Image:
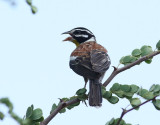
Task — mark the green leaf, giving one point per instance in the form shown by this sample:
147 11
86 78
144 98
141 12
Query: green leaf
36 124
134 88
29 2
34 9
121 60
112 121
158 45
103 90
146 50
128 95
122 122
119 93
29 112
7 102
73 105
81 91
39 120
70 107
73 97
133 59
115 87
136 52
102 87
113 99
125 88
157 88
76 104
82 97
54 106
107 94
135 102
142 92
156 104
148 95
62 110
1 116
148 61
127 59
37 114
152 88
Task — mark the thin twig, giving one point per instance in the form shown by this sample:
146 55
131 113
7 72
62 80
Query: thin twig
126 111
114 73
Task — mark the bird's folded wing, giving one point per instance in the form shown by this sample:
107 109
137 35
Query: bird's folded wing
100 61
97 61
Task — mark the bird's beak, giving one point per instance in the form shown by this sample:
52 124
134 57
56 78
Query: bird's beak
68 39
68 32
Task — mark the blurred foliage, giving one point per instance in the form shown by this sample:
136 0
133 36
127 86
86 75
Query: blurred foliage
33 8
7 103
29 2
138 53
115 121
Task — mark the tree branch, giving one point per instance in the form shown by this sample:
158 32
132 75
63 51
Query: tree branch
126 111
114 73
55 112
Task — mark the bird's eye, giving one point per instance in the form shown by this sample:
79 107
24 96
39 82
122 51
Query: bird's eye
77 32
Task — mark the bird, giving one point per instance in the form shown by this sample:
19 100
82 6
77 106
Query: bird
89 60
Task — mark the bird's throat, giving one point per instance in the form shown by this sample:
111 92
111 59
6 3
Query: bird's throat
76 43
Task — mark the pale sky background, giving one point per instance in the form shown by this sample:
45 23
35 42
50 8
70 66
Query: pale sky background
34 62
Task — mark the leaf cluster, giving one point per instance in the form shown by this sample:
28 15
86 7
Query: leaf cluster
138 53
80 94
115 121
108 96
128 91
124 91
9 105
155 89
33 8
33 116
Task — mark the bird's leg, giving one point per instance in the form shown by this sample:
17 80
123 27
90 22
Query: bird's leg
85 80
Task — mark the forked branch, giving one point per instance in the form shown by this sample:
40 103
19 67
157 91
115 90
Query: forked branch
117 71
126 111
114 73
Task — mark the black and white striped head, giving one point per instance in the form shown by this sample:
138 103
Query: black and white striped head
80 35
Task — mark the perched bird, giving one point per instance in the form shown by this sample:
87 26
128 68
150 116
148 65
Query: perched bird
89 60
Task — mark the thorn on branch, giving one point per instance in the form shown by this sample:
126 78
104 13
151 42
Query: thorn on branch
85 103
60 100
114 68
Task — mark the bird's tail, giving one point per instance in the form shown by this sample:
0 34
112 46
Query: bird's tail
95 93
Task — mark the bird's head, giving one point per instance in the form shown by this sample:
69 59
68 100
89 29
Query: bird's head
79 35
